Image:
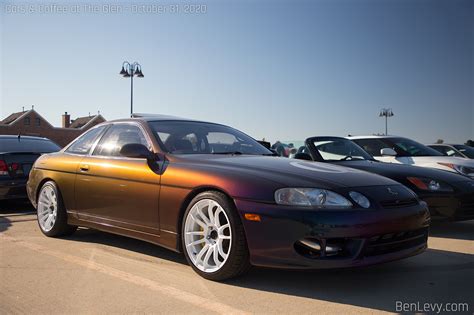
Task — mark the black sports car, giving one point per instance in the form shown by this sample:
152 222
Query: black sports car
448 195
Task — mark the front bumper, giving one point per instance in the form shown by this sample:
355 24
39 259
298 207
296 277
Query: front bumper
365 237
13 188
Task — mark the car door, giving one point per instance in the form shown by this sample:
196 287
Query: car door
69 164
118 191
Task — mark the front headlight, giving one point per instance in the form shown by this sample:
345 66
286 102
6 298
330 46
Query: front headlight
311 197
464 170
429 184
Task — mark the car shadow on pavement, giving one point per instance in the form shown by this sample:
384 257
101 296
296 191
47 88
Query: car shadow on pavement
432 277
463 230
127 243
5 224
15 207
12 208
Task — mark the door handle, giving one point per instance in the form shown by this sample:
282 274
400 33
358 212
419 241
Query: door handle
84 168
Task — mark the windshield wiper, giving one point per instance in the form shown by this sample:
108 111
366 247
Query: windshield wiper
229 152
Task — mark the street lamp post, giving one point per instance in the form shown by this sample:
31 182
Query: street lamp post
128 71
386 112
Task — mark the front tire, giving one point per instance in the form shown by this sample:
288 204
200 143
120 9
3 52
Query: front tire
213 237
52 216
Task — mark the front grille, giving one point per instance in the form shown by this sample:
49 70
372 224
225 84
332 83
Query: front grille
394 242
398 203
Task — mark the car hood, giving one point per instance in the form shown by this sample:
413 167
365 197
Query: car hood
288 172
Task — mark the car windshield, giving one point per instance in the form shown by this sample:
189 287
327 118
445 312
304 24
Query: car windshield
189 137
338 149
402 146
466 150
28 145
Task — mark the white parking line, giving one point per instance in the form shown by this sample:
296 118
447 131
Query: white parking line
178 294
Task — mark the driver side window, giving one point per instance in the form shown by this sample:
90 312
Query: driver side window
116 137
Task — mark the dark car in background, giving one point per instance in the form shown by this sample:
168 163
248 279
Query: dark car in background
459 150
449 195
17 155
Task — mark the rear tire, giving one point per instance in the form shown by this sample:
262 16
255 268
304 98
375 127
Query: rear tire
52 215
213 237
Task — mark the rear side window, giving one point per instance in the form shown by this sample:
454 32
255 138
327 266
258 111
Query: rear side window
83 144
28 145
118 136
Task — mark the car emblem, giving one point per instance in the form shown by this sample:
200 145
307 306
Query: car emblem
393 192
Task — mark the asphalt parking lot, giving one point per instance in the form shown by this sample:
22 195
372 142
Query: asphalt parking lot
96 272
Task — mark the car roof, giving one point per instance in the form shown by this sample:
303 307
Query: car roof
23 137
371 137
446 144
157 117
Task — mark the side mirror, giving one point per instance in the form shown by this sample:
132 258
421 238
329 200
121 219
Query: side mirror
303 156
136 151
388 152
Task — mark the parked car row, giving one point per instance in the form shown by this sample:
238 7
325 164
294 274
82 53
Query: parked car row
406 151
448 195
227 202
459 150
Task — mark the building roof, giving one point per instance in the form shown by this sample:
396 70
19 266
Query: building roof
82 121
12 117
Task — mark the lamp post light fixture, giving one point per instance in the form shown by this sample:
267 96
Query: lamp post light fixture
129 70
386 112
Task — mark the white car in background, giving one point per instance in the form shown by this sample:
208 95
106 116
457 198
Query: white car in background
393 149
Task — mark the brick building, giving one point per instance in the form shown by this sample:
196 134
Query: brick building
31 123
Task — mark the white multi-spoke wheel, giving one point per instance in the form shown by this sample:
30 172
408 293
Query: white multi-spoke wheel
52 217
207 235
47 208
213 237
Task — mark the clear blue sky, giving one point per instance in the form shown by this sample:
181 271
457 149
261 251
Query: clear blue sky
274 69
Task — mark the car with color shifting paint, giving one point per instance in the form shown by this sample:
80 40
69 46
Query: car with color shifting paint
221 198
